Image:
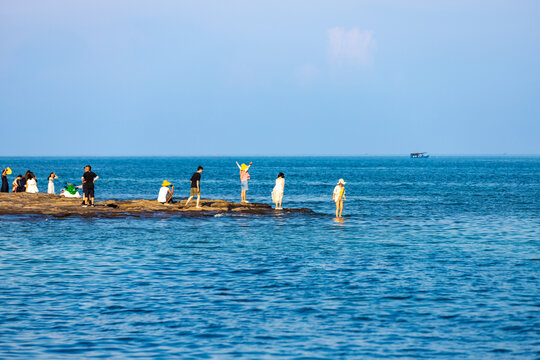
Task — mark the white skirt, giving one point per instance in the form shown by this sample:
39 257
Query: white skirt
277 194
50 190
32 189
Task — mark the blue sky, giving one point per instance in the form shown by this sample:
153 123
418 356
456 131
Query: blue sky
276 78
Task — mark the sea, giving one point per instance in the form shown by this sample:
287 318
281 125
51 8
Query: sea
435 258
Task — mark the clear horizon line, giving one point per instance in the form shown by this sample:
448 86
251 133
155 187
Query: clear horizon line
255 155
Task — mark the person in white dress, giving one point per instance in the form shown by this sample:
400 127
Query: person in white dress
31 184
277 192
50 189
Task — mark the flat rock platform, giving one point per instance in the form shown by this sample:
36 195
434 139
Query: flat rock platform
60 206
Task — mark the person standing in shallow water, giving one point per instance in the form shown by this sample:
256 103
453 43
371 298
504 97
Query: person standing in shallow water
195 187
339 197
88 179
244 178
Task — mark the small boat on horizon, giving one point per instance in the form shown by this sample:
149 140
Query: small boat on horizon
419 155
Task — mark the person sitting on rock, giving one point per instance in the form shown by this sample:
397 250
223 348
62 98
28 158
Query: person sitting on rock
165 194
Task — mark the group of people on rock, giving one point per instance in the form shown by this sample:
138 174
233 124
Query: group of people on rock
24 183
28 183
166 191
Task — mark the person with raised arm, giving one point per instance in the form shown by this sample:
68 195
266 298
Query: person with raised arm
52 177
5 183
244 178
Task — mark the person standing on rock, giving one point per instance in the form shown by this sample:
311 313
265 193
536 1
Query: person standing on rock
21 184
277 192
5 183
195 187
88 179
50 189
31 184
244 178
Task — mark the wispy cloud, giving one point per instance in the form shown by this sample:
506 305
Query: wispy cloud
307 73
352 46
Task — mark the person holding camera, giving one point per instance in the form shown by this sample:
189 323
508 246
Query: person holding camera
165 193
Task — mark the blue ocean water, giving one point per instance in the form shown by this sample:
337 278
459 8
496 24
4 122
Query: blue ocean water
436 258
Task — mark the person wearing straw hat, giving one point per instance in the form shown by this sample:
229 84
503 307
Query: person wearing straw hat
165 193
339 197
244 178
5 183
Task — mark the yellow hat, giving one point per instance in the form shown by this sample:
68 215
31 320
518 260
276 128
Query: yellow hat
165 183
8 171
243 167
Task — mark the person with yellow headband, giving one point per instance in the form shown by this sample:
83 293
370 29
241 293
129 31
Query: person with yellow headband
244 178
165 194
5 183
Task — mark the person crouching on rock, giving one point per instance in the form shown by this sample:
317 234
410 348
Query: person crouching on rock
165 194
244 178
195 187
16 183
88 179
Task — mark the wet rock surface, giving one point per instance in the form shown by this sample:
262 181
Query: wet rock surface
56 205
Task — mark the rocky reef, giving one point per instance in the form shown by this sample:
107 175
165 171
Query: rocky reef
59 206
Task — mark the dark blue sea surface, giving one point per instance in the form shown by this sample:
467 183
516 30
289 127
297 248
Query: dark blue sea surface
436 258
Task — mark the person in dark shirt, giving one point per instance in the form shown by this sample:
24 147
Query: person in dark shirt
195 186
5 183
21 183
88 179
